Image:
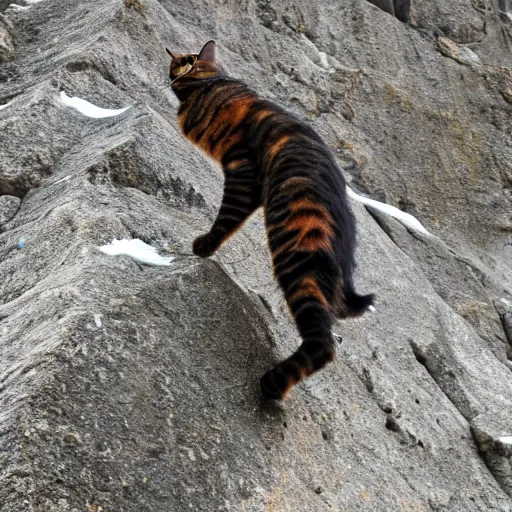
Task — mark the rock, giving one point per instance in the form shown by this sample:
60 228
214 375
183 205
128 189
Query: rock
488 438
124 387
385 5
458 52
504 309
504 9
6 43
9 206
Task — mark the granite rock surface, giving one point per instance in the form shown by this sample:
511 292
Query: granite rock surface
133 388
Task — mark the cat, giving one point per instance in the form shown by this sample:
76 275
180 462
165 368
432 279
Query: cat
272 159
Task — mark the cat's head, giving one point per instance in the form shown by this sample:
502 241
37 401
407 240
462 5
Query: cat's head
195 66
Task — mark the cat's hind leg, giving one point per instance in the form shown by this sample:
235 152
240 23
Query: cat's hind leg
305 280
317 349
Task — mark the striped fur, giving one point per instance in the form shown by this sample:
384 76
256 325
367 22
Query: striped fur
272 159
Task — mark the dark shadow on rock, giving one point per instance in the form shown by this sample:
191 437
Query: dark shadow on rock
401 9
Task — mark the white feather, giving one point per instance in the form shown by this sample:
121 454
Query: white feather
88 109
137 250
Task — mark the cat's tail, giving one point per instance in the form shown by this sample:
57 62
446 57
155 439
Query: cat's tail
314 318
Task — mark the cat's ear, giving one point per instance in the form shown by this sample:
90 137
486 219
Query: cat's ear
170 53
207 52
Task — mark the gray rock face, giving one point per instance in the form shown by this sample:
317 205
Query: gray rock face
9 206
6 44
130 388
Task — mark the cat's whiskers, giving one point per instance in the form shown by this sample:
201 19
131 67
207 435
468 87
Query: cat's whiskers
182 75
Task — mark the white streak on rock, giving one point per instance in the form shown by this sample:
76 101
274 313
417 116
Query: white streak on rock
323 60
97 320
21 8
88 109
137 250
405 218
66 178
5 105
16 7
506 440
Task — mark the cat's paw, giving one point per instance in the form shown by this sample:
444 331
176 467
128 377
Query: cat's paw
274 384
203 246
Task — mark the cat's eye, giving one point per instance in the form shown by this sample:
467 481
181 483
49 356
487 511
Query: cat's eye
190 60
183 61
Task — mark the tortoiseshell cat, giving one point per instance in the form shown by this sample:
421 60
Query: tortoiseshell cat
272 159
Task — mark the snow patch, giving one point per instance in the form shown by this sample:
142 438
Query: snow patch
137 250
405 218
506 440
88 109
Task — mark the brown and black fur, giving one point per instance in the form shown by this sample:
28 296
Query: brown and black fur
272 159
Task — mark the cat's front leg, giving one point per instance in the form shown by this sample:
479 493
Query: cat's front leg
205 245
242 195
